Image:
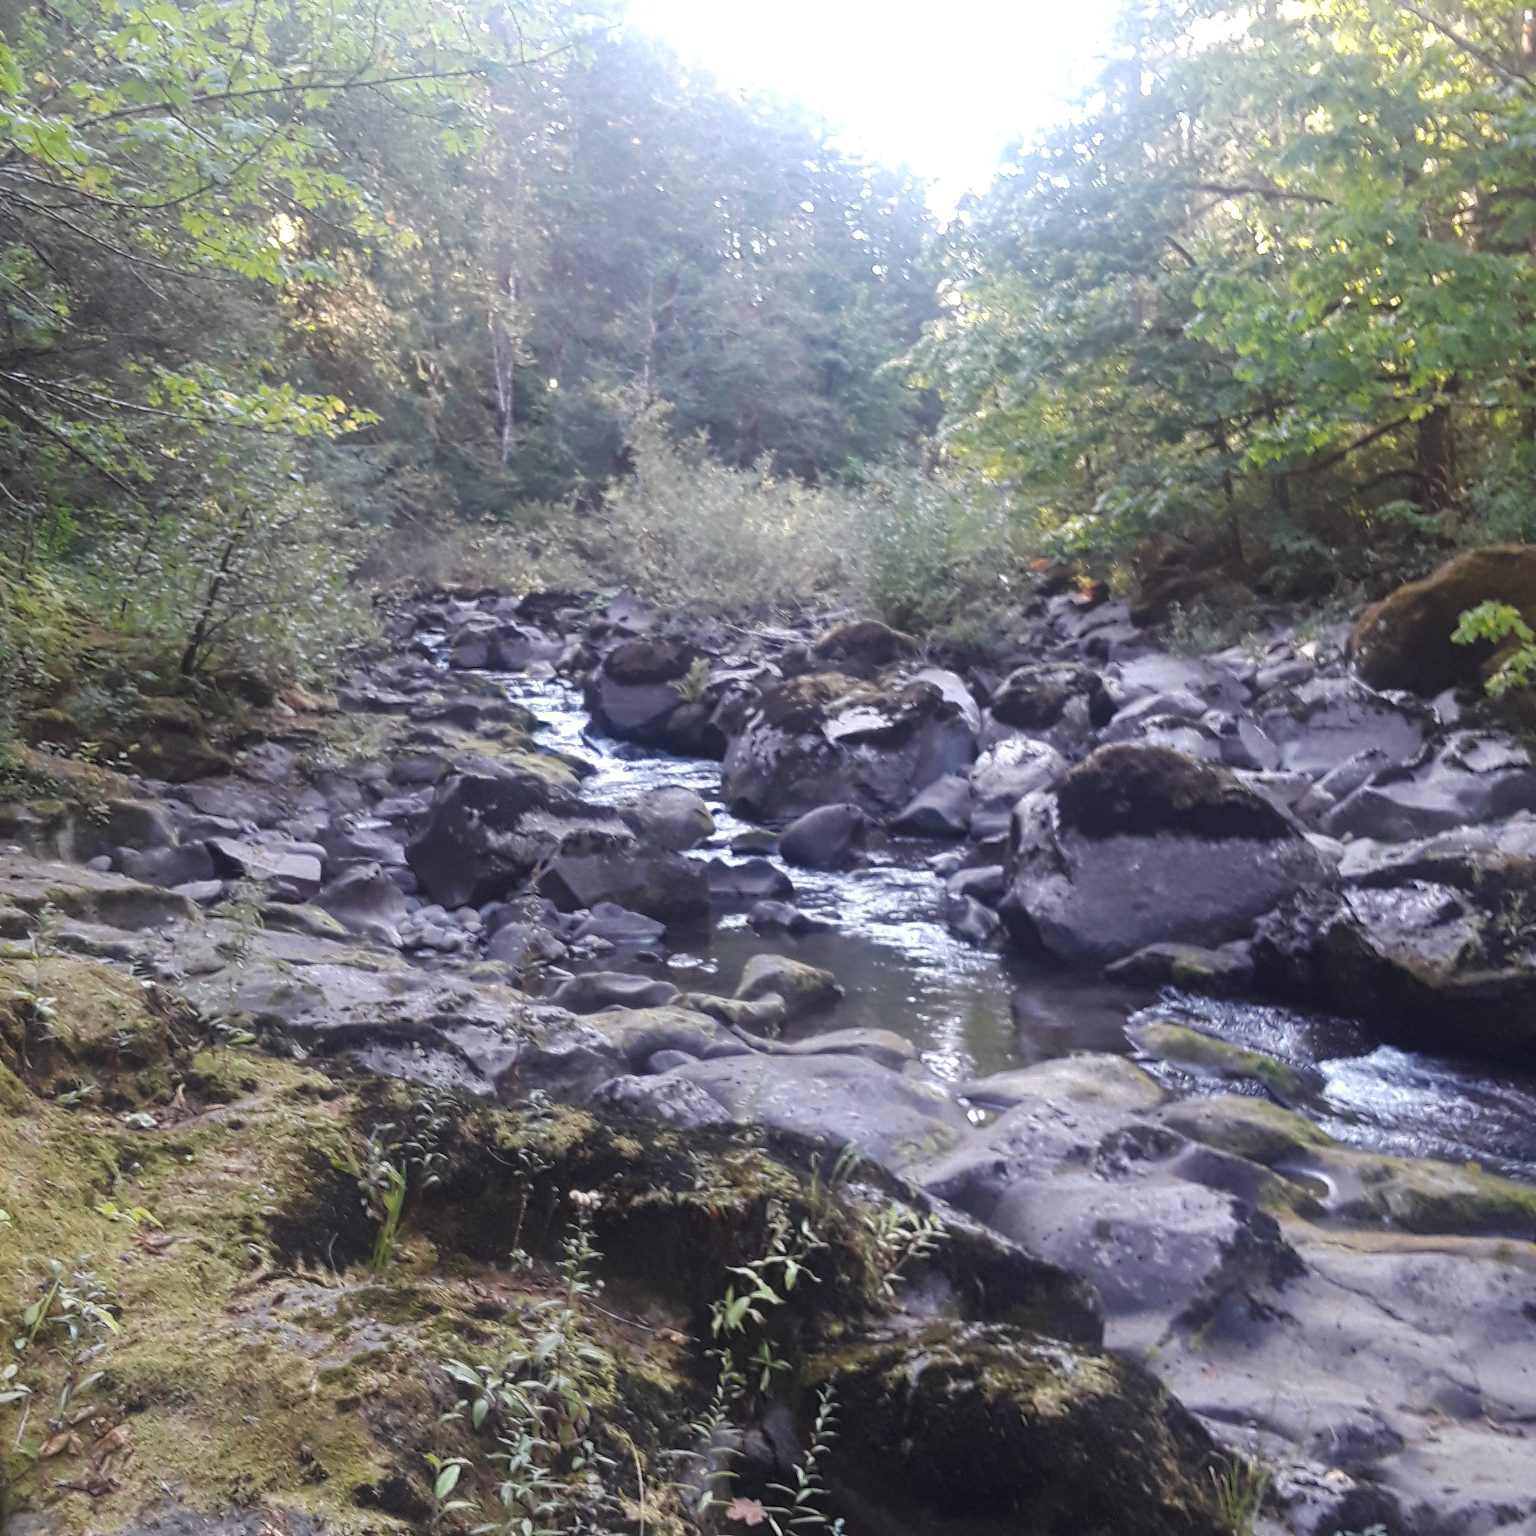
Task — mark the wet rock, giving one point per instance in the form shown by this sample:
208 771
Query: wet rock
1205 1055
1109 1082
1003 775
1404 641
985 883
882 1046
1472 777
1002 1431
596 991
780 917
1249 1128
968 919
650 691
365 901
1329 721
619 926
669 818
762 1016
830 837
664 886
485 835
181 864
1141 845
666 1098
891 1118
1220 972
943 809
1423 964
827 739
804 989
749 881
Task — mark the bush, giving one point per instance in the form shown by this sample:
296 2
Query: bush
924 552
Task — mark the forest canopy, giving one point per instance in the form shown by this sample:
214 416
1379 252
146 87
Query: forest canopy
287 284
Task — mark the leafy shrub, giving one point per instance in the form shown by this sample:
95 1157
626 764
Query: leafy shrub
1501 625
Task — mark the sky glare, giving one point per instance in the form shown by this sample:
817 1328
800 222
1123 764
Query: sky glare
942 88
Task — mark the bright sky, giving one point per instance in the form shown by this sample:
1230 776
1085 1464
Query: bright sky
940 87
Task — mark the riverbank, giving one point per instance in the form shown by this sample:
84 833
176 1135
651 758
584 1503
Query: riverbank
450 880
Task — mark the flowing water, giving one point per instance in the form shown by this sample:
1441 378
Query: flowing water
971 1012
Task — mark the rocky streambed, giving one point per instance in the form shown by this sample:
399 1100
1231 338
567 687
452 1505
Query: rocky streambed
1202 985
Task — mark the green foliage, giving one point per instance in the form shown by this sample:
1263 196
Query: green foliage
1501 625
396 1159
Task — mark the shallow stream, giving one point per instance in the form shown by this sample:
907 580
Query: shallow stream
971 1011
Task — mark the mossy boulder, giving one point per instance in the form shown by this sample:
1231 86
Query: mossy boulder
991 1430
1404 641
862 647
1205 1056
1246 1127
1036 696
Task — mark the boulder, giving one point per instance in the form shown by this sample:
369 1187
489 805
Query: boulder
830 837
1404 641
781 917
1473 776
1143 845
670 817
892 1118
1216 972
1037 697
943 809
485 835
862 648
595 991
1000 1431
751 880
1003 775
1327 722
1423 964
618 926
365 901
664 886
828 739
298 873
804 988
651 691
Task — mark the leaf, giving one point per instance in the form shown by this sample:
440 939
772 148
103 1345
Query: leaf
746 1511
65 1443
447 1480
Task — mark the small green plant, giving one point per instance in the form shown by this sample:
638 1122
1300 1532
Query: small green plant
37 1004
694 683
393 1158
1498 624
1241 1484
446 1473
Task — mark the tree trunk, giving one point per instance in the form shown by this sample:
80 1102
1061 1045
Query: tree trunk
1436 459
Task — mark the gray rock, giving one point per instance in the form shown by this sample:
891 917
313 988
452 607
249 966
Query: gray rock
830 837
781 917
299 872
942 809
804 989
1324 723
619 926
595 991
1003 775
669 818
365 901
173 866
664 886
891 1118
748 881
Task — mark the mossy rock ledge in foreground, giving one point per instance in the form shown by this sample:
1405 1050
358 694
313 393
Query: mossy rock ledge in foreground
982 1429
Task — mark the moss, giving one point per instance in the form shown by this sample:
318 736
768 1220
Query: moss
1249 1128
1200 1053
1422 1196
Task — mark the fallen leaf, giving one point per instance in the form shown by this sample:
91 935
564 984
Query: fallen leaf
114 1440
746 1511
97 1484
65 1443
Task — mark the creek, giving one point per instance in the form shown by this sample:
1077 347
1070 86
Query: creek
972 1011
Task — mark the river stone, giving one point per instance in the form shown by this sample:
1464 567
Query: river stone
1473 777
1003 775
748 881
1141 845
968 919
1220 972
1405 642
1111 1082
641 692
1001 1431
943 809
762 1016
664 886
804 989
483 836
365 901
671 818
862 648
1329 721
882 1046
595 991
1422 964
830 837
1204 1055
781 917
828 739
181 864
891 1118
663 1097
299 873
618 925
